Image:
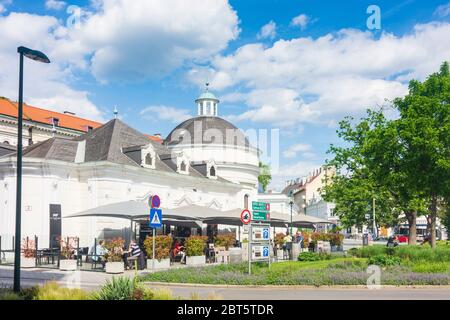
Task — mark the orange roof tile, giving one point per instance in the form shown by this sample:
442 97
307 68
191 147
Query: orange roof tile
9 108
153 138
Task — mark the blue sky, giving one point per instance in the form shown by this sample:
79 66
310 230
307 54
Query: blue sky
296 66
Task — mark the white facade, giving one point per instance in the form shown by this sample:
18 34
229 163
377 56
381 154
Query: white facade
80 183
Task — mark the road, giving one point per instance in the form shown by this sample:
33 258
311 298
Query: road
93 280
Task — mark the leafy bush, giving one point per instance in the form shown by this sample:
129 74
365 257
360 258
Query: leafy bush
115 250
195 245
306 236
28 248
279 238
52 291
312 256
163 244
335 239
384 260
433 267
68 246
8 294
225 240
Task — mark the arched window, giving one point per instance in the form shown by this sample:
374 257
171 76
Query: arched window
212 171
183 166
246 201
148 159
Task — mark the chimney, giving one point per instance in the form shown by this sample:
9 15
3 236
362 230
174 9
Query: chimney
157 135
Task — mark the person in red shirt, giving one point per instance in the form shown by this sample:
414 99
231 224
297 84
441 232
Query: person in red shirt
178 250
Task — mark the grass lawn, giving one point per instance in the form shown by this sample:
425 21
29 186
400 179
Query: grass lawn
410 266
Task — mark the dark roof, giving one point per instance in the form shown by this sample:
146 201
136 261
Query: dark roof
6 148
53 149
115 141
206 130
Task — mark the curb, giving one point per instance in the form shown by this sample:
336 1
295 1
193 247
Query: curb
218 286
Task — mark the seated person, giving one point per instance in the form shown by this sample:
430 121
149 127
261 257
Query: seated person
178 250
98 255
133 251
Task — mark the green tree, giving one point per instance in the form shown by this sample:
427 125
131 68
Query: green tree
354 185
424 132
265 176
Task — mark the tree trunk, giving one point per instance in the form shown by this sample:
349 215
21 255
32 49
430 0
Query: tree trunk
412 227
432 221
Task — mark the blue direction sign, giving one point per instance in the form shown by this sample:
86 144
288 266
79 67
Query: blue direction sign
155 218
265 252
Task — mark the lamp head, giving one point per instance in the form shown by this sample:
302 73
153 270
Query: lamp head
33 54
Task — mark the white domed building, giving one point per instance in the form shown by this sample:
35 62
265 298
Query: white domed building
204 165
211 139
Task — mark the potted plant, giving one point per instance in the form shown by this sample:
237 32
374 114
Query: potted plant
114 256
67 250
225 240
279 240
195 250
163 244
29 253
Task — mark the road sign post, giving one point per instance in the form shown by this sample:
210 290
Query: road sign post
155 222
259 234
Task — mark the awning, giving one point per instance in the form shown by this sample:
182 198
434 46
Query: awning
191 214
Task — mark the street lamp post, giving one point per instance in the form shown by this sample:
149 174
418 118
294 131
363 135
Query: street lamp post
37 56
291 204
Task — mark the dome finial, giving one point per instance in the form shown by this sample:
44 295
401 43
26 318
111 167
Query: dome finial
116 112
207 86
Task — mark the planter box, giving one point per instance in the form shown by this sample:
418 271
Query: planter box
159 264
67 265
196 261
27 262
235 255
115 267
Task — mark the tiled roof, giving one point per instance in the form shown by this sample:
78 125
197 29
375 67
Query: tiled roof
30 113
9 108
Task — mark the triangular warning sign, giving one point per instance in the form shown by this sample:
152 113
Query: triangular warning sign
155 219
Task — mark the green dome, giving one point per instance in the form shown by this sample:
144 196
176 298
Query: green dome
207 95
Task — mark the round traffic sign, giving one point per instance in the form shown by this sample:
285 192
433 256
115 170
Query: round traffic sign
155 201
246 216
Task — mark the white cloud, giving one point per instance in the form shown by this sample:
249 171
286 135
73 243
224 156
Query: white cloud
300 21
295 149
319 80
55 4
140 39
165 113
45 85
268 30
443 10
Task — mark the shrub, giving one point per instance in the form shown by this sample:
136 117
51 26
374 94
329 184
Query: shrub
312 256
121 288
28 248
115 250
305 236
384 260
433 267
163 244
225 240
335 239
195 245
68 247
52 291
279 238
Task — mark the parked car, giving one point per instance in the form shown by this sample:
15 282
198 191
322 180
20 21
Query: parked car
402 238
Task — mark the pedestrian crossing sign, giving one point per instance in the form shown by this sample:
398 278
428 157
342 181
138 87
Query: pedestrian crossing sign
155 218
